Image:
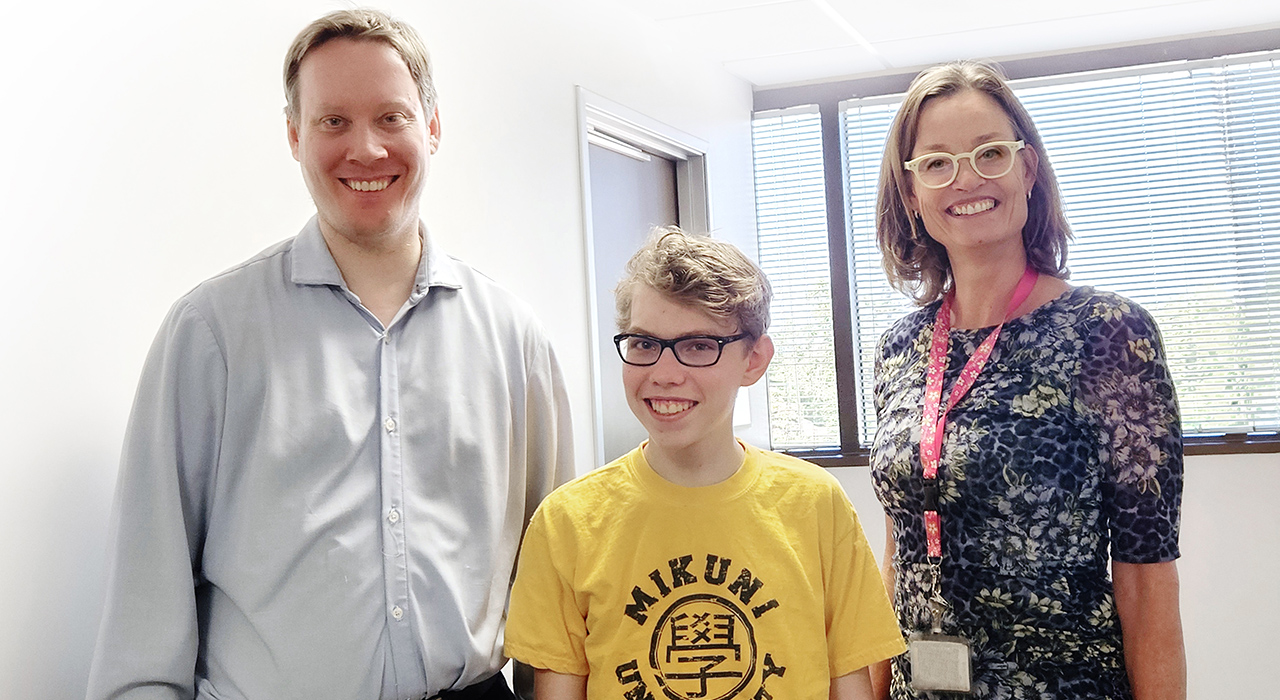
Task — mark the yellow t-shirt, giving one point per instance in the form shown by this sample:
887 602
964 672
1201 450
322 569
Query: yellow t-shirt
760 586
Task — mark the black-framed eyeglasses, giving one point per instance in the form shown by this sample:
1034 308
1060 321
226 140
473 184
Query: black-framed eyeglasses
689 350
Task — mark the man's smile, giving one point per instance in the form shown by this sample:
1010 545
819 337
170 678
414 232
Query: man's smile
369 185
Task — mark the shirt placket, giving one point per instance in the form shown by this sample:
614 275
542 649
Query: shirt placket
406 669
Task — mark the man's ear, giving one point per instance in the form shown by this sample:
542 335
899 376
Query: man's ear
292 130
433 131
758 360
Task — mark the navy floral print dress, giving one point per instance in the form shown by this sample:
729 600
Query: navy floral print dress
1065 454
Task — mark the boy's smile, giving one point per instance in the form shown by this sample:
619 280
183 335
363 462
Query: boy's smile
670 407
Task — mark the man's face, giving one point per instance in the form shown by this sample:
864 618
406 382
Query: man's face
362 139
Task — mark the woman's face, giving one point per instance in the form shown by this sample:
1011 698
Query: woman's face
972 215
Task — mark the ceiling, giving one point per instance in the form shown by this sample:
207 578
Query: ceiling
773 43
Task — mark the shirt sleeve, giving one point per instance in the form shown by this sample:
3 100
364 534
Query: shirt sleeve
546 625
1126 386
549 461
148 638
861 625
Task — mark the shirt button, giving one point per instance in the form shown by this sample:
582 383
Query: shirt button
393 516
389 424
396 612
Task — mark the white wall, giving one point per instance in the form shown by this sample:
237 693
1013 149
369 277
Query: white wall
1229 568
145 151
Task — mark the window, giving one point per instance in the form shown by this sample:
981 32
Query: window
1170 175
791 223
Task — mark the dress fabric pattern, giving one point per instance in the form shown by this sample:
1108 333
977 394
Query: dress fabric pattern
1065 454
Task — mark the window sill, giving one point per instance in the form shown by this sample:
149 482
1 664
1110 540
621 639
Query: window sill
1237 443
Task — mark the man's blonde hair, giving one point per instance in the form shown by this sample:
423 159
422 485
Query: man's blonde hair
701 272
361 24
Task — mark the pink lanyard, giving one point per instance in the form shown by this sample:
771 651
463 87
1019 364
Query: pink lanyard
931 430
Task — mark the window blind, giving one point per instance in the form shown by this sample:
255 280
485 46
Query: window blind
876 305
1171 180
791 222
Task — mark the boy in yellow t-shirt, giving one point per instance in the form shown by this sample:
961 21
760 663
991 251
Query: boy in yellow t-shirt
697 567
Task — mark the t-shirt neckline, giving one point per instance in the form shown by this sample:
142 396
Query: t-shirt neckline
739 483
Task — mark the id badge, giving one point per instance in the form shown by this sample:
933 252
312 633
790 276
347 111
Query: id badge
939 662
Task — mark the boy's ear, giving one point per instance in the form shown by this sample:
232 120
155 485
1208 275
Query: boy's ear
758 360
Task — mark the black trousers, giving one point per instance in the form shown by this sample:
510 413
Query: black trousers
492 688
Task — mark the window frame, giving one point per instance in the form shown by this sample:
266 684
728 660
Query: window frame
828 96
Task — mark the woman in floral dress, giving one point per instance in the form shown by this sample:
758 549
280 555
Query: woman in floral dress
1059 468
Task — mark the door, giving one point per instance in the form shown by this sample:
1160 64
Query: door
630 195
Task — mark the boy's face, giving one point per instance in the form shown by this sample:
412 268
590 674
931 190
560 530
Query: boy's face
688 407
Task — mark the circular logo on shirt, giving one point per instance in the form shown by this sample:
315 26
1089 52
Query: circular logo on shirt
703 648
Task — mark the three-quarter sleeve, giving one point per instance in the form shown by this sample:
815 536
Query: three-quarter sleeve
1125 385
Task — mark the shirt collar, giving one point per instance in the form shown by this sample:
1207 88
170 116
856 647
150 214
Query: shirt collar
313 264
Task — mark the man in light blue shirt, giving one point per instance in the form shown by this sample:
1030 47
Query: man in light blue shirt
335 445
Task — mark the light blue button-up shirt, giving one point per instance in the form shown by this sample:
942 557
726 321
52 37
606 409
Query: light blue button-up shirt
311 505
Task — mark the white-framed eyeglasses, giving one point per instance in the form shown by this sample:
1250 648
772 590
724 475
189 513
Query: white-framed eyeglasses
990 160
